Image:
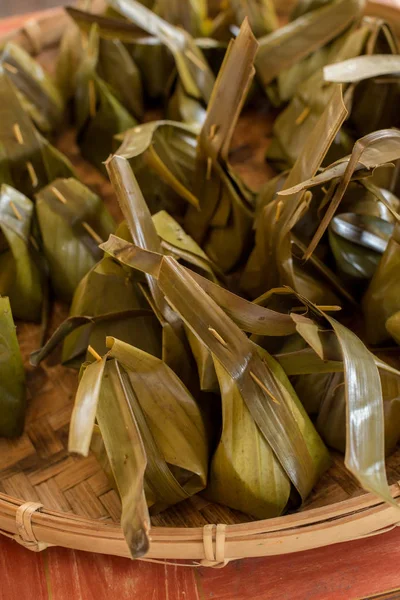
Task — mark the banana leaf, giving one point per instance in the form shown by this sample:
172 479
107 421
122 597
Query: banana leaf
271 263
261 15
68 60
369 152
162 155
195 78
99 114
175 349
382 298
223 226
262 390
20 265
108 289
362 67
295 123
177 243
138 387
149 54
12 377
331 421
305 6
393 326
188 14
27 160
284 53
364 456
118 69
73 221
105 398
37 92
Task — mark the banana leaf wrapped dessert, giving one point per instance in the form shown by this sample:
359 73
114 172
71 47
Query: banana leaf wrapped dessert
293 53
162 155
294 124
22 272
192 90
261 15
381 300
27 160
72 221
36 90
152 430
12 376
99 114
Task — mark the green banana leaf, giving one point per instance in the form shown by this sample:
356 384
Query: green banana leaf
364 456
12 377
27 160
162 155
271 262
393 326
105 398
244 472
223 225
149 54
303 7
369 152
261 15
37 92
68 60
260 387
108 289
99 114
142 230
21 270
331 421
294 124
177 243
72 221
137 387
195 77
382 298
362 67
118 69
188 14
285 52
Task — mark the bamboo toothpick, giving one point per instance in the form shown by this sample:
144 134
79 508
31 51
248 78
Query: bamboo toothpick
213 131
278 211
209 168
15 211
58 195
33 242
263 387
92 98
93 352
303 116
218 336
18 134
195 59
92 232
10 68
32 174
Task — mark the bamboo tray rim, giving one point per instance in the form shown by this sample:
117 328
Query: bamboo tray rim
343 521
35 527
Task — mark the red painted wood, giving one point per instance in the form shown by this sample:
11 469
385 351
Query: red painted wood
343 572
340 572
21 574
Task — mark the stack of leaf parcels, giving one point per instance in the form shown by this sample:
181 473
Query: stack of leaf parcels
202 325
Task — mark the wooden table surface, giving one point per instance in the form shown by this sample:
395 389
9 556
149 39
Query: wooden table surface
364 568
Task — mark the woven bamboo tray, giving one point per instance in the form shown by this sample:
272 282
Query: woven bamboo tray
48 497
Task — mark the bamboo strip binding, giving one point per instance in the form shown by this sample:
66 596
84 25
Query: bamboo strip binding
36 528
